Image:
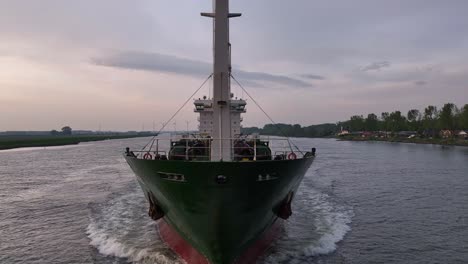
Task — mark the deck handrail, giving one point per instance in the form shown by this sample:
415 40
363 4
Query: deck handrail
163 146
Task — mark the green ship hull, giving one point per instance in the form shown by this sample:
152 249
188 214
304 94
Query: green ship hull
221 209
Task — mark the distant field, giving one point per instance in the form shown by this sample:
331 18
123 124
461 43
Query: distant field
10 142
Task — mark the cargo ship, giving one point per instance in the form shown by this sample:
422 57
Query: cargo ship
218 196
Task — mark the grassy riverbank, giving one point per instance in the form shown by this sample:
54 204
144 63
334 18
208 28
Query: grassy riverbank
11 142
435 141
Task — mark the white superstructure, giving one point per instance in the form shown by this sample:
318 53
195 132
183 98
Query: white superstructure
205 108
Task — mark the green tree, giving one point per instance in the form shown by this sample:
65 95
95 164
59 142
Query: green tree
66 130
397 121
321 130
430 112
297 130
385 121
430 120
356 123
464 117
446 116
414 119
372 122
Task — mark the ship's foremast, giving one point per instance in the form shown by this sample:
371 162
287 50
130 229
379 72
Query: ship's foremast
221 147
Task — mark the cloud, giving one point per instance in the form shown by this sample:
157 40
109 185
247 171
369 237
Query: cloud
420 82
146 61
256 77
376 66
154 62
313 76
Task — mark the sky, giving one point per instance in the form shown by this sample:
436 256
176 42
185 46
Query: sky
129 65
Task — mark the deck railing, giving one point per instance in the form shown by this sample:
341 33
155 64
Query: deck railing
199 148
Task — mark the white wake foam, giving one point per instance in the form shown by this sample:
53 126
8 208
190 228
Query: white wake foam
317 225
108 245
120 228
332 226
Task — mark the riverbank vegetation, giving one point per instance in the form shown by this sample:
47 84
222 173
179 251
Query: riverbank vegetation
21 141
446 125
322 130
430 121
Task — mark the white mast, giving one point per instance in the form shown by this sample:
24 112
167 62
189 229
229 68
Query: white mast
221 148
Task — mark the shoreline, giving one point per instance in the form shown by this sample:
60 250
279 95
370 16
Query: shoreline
436 141
51 141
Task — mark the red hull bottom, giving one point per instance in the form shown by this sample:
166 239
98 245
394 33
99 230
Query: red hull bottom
192 256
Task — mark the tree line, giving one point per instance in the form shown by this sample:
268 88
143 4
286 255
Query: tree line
428 121
322 130
66 130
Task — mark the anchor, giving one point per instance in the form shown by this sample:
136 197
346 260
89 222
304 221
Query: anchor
284 210
155 211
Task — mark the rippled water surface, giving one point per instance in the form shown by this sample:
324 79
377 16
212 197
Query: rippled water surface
360 202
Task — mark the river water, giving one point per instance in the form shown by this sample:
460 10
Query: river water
360 202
